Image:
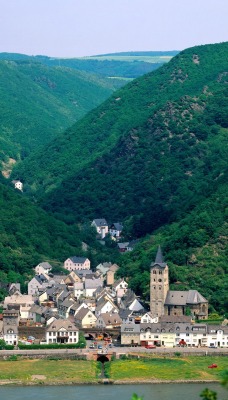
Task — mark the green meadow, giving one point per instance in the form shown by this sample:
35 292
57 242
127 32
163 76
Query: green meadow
40 371
174 369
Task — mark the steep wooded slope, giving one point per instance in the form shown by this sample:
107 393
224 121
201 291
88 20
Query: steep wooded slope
132 123
39 102
164 144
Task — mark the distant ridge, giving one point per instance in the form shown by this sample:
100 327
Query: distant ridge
141 53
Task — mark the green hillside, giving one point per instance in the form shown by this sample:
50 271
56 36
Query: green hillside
29 235
155 146
126 65
39 102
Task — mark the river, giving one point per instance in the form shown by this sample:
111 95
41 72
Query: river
174 391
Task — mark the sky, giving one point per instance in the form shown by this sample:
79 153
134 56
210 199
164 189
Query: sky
76 28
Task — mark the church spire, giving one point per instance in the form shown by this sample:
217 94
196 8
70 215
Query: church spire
159 260
159 256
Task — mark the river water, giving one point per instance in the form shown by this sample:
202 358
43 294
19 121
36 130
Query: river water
190 391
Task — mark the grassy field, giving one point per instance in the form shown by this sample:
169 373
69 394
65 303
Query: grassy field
71 371
149 59
48 371
179 368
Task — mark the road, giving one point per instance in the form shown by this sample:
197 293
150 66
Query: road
118 350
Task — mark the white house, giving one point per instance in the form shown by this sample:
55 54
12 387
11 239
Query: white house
62 331
115 230
120 287
78 289
43 268
76 263
217 336
18 185
90 286
105 306
101 226
148 318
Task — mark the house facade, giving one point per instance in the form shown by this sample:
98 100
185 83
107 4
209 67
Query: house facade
10 326
62 331
43 268
76 263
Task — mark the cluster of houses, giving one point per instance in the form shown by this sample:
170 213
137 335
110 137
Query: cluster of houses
87 299
114 230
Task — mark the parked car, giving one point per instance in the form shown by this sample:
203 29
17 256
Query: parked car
99 346
31 338
150 346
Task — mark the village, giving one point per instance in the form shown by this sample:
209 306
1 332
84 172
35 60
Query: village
96 303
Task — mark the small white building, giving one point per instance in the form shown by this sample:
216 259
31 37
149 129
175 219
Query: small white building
217 336
78 289
115 230
101 227
43 268
18 185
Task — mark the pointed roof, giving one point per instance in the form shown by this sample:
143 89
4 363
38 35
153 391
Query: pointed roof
159 260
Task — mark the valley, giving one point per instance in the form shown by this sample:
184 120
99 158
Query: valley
152 154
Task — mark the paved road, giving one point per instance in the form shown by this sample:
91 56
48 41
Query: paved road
119 350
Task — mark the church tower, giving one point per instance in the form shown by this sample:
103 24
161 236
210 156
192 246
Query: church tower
159 284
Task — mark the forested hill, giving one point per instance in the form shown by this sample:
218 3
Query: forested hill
128 65
158 145
39 102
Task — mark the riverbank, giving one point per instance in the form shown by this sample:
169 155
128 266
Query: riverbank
27 372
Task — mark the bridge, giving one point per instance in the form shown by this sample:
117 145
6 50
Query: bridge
93 333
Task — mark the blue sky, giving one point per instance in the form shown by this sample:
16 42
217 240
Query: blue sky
75 28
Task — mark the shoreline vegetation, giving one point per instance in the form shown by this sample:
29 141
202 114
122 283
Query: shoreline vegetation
191 369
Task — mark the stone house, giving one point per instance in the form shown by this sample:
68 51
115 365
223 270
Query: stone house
178 302
10 326
130 334
110 275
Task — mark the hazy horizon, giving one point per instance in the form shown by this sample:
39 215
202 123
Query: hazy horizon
72 28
